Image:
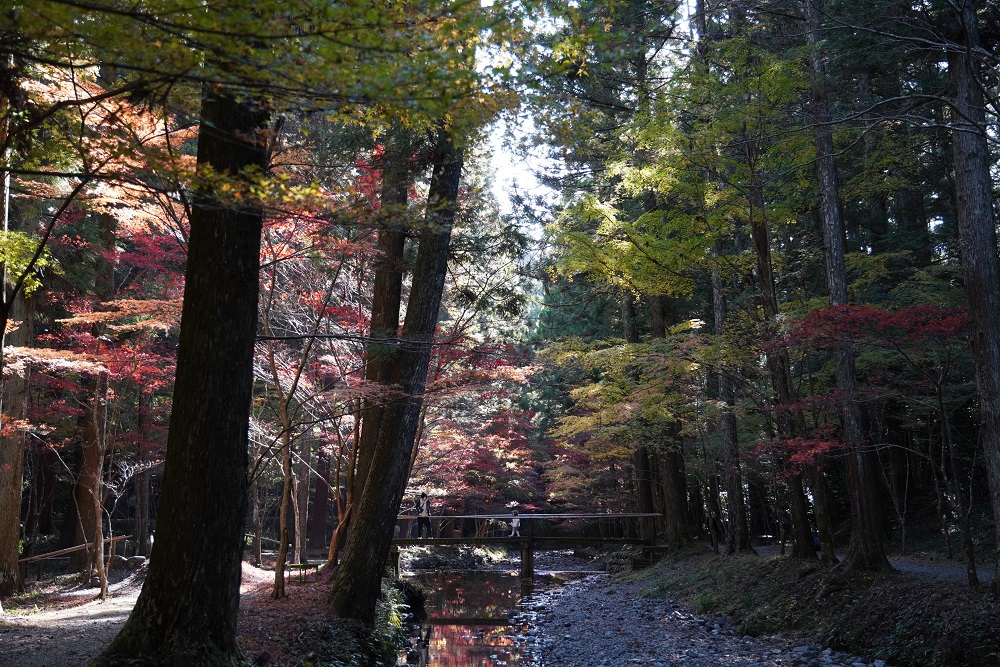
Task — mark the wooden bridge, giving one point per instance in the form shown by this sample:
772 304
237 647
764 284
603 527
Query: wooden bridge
538 531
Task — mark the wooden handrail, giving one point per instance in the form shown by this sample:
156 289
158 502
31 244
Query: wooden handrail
534 516
68 550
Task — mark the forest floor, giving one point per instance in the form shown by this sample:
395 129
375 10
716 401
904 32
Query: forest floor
59 623
700 604
921 615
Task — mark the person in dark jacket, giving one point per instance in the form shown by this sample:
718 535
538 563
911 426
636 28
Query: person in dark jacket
423 515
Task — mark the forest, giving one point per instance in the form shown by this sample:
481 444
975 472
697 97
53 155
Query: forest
266 279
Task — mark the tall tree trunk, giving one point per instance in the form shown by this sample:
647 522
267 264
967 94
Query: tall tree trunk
737 528
39 520
397 176
186 612
911 218
674 498
643 478
867 548
302 497
11 451
94 445
344 494
627 305
716 529
824 524
356 582
802 543
14 397
761 520
657 317
952 478
285 512
321 498
669 461
141 484
88 482
789 420
257 523
978 242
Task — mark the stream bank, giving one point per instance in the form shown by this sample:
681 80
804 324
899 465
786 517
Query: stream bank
909 618
599 622
586 619
792 608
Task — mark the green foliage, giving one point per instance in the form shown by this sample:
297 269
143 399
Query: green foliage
623 397
703 602
389 615
653 254
17 250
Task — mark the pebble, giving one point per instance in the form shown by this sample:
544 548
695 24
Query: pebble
612 626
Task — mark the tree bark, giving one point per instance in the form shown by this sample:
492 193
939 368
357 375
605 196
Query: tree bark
824 524
186 612
387 292
978 243
321 498
674 498
629 331
737 527
141 484
866 549
256 521
302 497
94 441
802 543
657 317
88 483
285 509
643 478
789 420
12 451
911 215
39 519
356 583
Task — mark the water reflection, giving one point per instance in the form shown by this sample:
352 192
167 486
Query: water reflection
467 618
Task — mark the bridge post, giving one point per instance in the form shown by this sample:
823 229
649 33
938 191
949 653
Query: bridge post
649 530
527 552
394 561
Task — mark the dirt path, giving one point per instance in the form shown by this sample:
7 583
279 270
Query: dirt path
78 627
951 570
66 636
947 571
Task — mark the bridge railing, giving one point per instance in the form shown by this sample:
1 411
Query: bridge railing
584 526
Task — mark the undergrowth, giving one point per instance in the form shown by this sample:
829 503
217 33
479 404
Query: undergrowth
906 620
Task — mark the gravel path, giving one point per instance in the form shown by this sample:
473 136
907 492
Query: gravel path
597 623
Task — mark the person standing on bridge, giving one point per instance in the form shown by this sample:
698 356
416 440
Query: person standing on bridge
515 524
423 515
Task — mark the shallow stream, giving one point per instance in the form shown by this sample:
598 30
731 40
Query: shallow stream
467 623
